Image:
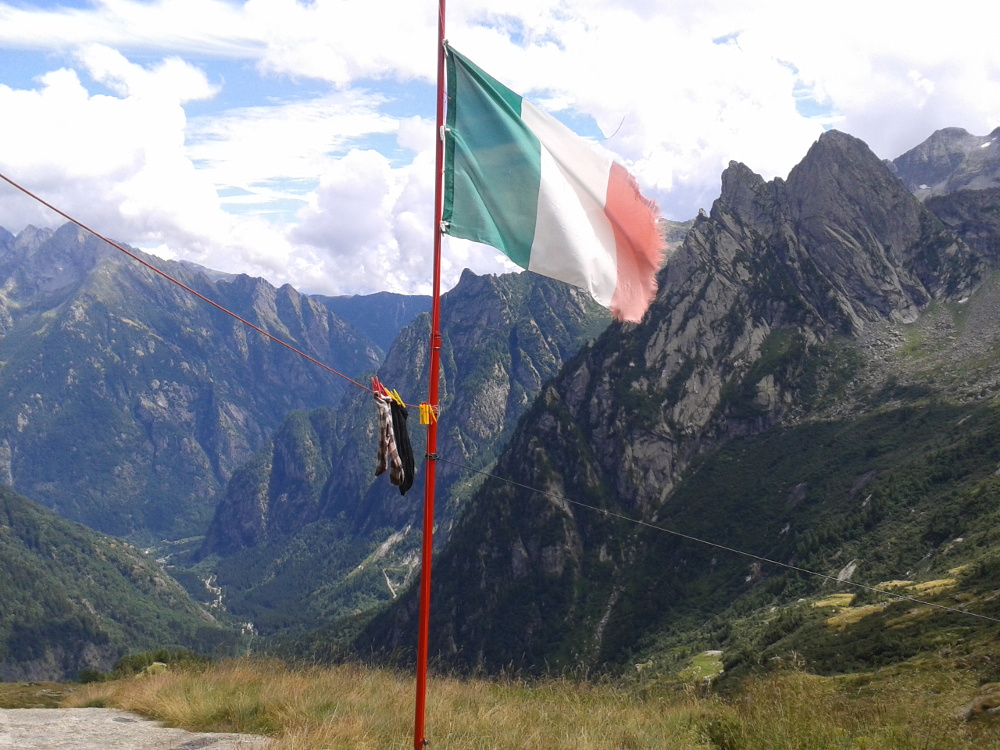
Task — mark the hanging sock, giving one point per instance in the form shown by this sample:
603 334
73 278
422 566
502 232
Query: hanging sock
403 448
387 454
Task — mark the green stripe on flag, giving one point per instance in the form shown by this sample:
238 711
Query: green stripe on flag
492 163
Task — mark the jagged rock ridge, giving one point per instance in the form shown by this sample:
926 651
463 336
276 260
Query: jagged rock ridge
770 280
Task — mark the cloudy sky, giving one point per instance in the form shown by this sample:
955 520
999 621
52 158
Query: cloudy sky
293 139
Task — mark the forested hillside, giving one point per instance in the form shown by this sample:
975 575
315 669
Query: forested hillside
74 599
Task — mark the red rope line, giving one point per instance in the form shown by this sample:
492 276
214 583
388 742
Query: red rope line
181 284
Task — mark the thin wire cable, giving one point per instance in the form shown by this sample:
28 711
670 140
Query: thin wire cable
733 550
182 285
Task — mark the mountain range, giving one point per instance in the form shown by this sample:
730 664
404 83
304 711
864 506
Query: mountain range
306 532
812 389
797 384
128 401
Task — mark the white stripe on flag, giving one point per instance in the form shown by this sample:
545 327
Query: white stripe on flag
574 241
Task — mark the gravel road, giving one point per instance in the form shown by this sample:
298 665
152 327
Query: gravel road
106 729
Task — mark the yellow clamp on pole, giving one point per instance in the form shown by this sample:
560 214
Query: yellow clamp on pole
427 413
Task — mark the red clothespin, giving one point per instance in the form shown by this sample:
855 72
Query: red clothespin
379 388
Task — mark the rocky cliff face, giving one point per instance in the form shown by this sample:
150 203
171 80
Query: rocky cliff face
759 293
957 175
973 215
503 337
128 402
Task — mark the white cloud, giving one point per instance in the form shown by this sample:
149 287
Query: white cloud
352 204
370 227
202 27
173 81
313 177
260 148
118 162
342 42
895 72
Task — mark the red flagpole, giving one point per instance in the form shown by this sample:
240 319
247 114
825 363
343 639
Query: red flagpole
419 740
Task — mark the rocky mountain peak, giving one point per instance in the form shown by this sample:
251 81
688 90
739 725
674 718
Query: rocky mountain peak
745 192
951 159
854 243
32 236
840 173
41 263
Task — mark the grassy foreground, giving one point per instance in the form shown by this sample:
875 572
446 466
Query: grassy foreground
360 708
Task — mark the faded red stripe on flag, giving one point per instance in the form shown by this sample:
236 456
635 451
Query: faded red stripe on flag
637 244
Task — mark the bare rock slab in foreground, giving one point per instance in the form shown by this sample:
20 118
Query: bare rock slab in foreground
106 729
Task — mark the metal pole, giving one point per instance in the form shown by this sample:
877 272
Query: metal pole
419 740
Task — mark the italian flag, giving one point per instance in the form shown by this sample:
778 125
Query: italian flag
520 181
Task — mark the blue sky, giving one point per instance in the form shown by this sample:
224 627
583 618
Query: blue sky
294 140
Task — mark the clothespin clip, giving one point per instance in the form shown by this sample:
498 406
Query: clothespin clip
380 389
396 397
427 413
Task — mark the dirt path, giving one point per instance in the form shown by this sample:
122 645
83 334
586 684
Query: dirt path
105 729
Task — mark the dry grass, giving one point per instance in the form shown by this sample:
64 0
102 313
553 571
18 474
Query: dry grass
933 588
912 706
33 694
927 588
358 708
854 614
835 600
890 711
